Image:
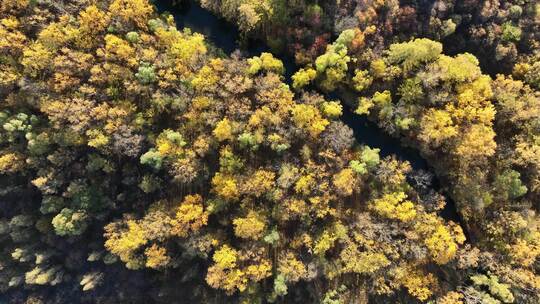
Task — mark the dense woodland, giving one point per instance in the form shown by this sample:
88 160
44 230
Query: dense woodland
138 164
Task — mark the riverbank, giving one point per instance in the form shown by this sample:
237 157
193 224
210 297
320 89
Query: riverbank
225 36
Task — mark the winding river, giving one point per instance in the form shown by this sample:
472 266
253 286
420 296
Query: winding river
226 37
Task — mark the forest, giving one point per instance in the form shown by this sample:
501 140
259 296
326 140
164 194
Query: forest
140 163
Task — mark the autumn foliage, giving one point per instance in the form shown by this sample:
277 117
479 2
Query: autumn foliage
140 165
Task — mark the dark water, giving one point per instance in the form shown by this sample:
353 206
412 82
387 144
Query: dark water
219 32
226 37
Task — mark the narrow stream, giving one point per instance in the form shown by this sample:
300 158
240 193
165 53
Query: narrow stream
226 37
